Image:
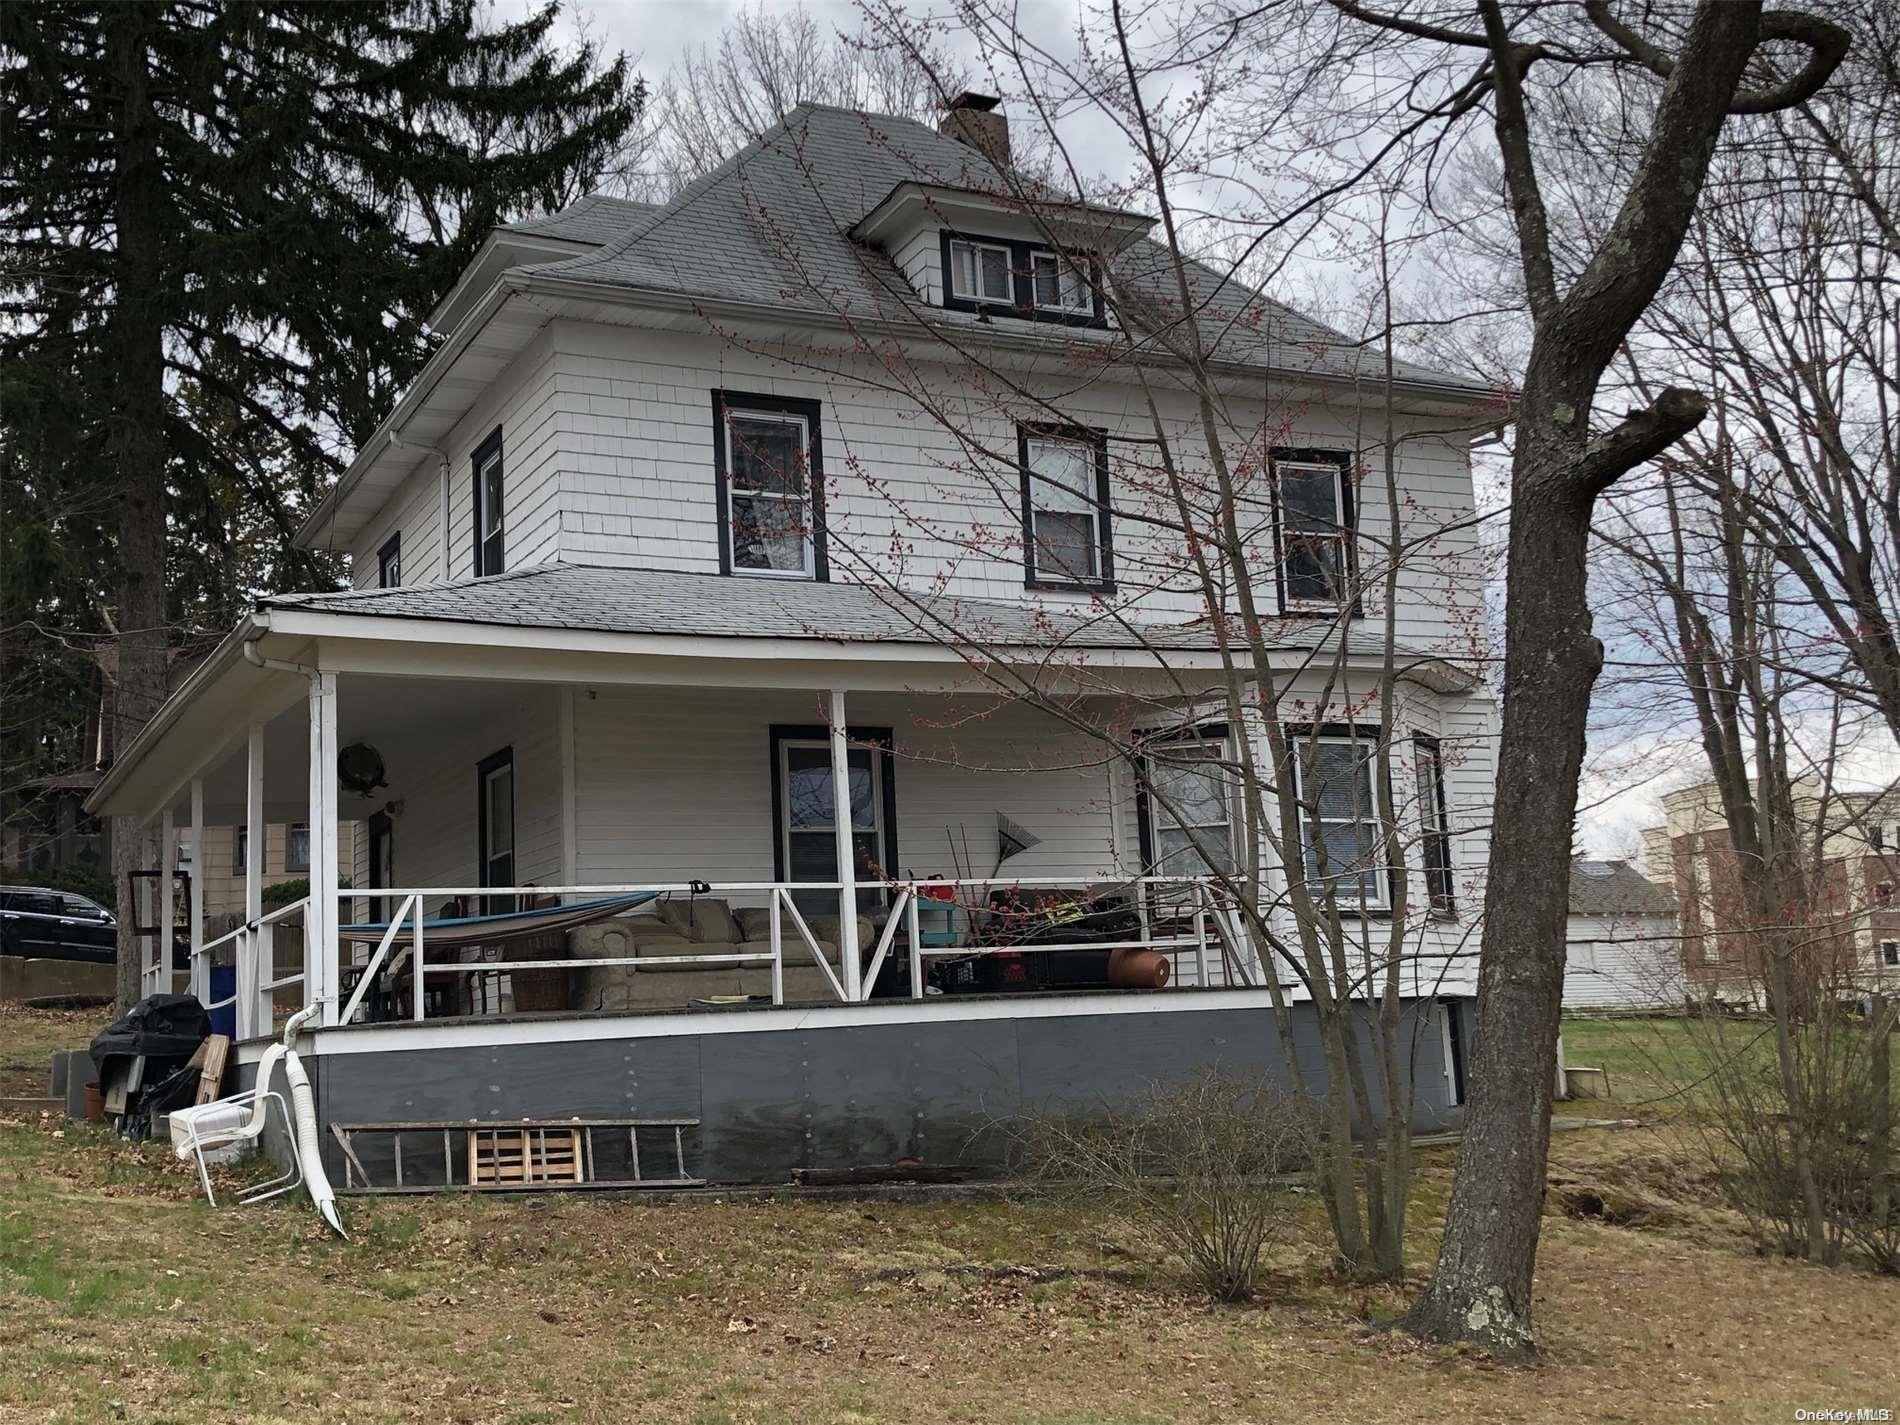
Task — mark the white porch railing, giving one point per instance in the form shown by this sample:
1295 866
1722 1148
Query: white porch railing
1184 918
252 949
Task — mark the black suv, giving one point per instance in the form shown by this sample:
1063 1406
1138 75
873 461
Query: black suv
55 925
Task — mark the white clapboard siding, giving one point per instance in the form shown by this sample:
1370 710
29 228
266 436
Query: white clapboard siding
608 442
1622 962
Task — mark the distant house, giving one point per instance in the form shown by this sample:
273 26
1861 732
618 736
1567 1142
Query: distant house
1623 951
1854 838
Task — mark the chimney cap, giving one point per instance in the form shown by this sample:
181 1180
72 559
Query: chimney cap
970 99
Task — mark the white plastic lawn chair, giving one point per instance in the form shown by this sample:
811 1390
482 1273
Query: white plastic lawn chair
241 1118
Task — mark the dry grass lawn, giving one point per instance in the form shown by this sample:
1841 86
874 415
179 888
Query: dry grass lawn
123 1297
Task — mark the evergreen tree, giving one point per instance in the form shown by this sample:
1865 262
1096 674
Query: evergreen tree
221 229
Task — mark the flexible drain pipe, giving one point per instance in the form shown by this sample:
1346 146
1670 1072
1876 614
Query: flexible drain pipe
303 1119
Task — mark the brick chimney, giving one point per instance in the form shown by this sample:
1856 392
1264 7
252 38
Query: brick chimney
973 119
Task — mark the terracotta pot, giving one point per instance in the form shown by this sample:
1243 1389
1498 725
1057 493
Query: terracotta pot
95 1102
1137 969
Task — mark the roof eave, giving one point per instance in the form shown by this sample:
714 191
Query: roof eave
660 299
433 370
230 650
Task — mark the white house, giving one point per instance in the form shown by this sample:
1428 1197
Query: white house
1622 949
828 482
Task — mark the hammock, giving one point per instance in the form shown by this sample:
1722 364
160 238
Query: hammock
509 925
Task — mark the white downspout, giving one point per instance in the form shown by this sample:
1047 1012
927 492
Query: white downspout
303 1118
442 496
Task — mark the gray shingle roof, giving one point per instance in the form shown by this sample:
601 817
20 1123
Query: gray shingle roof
771 227
1614 888
595 219
591 598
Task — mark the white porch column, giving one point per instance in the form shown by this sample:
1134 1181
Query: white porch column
200 981
320 916
847 853
249 945
162 977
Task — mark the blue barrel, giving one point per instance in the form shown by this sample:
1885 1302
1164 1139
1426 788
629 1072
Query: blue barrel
224 986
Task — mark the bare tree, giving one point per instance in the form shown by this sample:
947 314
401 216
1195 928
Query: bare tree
768 60
1711 67
1331 850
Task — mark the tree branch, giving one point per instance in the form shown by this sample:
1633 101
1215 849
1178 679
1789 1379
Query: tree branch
1639 436
1826 43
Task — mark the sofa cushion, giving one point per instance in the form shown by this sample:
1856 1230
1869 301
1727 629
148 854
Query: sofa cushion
755 922
826 928
702 918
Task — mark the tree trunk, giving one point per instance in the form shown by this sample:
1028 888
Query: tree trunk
1481 1291
138 436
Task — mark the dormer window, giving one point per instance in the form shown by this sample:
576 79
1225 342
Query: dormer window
1059 287
1030 281
979 272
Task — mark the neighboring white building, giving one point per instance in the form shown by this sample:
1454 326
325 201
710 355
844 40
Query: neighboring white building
1622 951
697 526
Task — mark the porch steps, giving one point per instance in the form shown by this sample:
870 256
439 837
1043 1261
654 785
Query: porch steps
524 1155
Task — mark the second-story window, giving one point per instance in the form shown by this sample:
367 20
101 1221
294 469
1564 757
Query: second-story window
766 454
980 272
389 563
491 549
1066 536
1314 526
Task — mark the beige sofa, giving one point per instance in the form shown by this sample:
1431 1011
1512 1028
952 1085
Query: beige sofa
701 926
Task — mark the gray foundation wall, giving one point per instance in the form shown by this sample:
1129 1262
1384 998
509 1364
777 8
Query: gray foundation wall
771 1100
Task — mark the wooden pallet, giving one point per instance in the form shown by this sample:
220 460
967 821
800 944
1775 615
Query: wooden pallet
526 1156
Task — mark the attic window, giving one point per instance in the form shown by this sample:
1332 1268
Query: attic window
1059 286
979 272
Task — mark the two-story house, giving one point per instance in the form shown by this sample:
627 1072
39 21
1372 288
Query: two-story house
832 484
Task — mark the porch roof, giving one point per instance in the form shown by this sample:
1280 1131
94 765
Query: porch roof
600 599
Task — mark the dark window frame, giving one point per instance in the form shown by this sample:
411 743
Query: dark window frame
390 553
1348 524
1144 802
727 403
1296 739
1435 840
381 831
484 769
1022 281
489 447
1027 431
877 738
290 865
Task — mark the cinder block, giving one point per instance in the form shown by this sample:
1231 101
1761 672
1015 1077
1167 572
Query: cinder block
79 1072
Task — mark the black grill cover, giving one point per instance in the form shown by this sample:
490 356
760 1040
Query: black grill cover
161 1026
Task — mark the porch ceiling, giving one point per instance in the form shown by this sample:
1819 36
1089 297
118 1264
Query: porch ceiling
401 717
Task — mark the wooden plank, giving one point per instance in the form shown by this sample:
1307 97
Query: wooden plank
215 1051
621 1184
507 1125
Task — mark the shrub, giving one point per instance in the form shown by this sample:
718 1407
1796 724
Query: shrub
1201 1166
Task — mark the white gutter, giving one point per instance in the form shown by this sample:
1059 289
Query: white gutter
431 375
